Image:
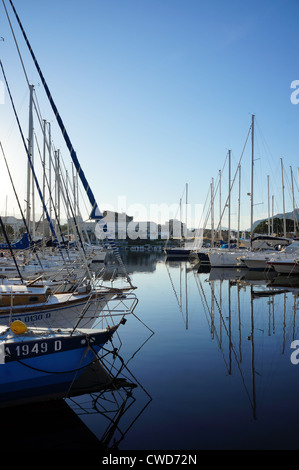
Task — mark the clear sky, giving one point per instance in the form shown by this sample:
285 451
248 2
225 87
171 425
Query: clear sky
153 93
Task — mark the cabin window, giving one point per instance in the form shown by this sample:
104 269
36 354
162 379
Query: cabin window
33 298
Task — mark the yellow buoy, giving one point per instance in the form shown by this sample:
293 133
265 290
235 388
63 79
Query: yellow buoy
18 327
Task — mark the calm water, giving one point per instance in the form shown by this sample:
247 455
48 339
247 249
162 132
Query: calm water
216 373
211 360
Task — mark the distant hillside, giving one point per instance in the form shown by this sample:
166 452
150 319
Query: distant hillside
289 215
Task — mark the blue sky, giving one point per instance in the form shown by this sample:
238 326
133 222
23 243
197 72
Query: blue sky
153 93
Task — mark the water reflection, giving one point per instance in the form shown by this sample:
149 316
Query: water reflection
98 410
112 409
251 316
103 392
180 293
216 373
135 262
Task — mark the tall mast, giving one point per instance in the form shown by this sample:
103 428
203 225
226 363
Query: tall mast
272 214
57 186
50 172
30 147
219 205
284 212
294 205
252 169
229 178
44 178
268 205
239 203
27 151
95 212
186 210
181 223
212 212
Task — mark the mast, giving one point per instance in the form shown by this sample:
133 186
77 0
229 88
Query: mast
220 205
27 153
272 214
252 169
57 185
181 224
95 212
15 192
50 172
212 213
239 203
268 205
293 198
283 203
44 178
67 206
30 146
229 178
74 192
186 211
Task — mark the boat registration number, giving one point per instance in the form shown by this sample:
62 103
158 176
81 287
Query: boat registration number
28 349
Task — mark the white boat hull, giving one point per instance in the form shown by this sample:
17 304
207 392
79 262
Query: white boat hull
229 259
61 310
285 267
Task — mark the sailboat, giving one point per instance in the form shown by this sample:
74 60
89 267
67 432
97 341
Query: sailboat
41 362
264 260
218 249
47 359
95 213
289 265
233 258
38 306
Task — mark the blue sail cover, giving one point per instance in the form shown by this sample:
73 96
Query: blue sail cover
22 244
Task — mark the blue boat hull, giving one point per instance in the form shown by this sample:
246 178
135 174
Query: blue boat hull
33 370
25 380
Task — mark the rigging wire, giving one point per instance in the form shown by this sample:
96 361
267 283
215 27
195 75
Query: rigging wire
95 214
28 155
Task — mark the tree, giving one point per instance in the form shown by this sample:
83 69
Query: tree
9 231
262 227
